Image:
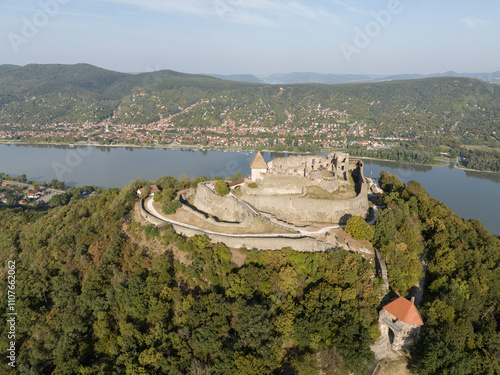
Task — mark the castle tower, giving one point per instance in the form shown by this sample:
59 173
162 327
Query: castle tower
340 164
400 323
258 167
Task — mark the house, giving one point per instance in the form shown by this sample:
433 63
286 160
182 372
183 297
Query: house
400 323
22 201
153 189
34 194
405 311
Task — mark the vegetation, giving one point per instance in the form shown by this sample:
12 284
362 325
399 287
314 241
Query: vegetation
221 187
92 298
170 207
55 184
401 154
97 293
253 185
460 307
444 112
357 227
482 160
72 195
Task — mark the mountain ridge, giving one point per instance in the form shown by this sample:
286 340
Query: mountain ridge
457 107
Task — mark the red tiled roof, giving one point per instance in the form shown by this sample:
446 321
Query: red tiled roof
405 311
258 162
154 189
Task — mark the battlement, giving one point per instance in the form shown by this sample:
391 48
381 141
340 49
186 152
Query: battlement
282 188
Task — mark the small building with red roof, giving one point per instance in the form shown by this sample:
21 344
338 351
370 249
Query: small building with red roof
404 311
399 323
153 189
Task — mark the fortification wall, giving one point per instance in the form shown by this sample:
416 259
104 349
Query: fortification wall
225 208
296 208
303 244
289 185
150 218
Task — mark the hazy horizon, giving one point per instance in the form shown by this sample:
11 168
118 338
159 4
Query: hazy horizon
258 75
255 37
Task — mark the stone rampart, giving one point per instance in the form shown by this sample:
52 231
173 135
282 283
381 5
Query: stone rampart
225 208
289 185
148 217
302 244
297 208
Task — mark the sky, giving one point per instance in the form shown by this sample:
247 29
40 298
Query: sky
258 37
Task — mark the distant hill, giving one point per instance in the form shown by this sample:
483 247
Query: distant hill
309 77
427 108
238 77
487 77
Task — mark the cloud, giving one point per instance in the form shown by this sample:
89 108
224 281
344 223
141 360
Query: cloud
474 22
192 7
271 13
34 10
350 5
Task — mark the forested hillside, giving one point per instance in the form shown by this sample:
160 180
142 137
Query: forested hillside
97 294
456 108
460 307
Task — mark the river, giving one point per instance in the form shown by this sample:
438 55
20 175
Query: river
470 194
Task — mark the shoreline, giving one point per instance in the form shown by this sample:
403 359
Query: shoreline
402 162
473 170
230 149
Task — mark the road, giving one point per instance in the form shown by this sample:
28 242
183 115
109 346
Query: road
151 210
8 182
45 198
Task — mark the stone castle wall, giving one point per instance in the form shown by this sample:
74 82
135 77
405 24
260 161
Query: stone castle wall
302 244
289 185
297 208
225 208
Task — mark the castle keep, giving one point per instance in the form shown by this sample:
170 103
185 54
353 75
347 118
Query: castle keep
284 187
337 164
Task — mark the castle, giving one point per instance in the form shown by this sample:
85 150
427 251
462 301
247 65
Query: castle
336 163
288 202
283 189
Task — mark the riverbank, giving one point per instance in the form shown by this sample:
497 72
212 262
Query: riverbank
116 167
458 166
439 162
442 163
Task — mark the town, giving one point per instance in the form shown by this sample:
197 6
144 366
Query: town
203 124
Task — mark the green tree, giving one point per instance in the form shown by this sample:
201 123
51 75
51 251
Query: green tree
221 187
358 228
170 207
145 192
